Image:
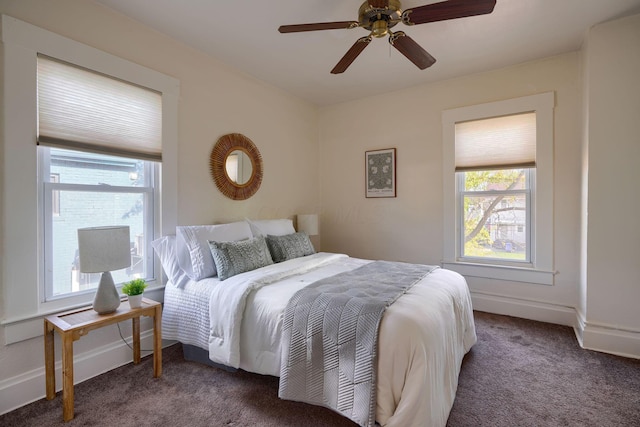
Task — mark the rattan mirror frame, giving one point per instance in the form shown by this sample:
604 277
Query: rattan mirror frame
224 146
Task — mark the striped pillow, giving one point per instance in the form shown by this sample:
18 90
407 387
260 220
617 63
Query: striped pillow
233 258
290 246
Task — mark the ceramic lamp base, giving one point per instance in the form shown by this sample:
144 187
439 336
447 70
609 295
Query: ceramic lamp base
107 299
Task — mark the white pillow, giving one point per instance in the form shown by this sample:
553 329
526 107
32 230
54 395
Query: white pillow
272 227
165 247
192 245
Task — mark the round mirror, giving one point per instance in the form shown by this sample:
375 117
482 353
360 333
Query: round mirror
236 166
239 167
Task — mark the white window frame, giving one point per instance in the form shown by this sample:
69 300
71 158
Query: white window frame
47 190
22 42
529 191
540 270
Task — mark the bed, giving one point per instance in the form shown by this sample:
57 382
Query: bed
237 321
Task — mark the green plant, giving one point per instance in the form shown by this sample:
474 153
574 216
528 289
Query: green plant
134 287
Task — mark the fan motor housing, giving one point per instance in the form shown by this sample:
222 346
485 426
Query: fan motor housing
379 20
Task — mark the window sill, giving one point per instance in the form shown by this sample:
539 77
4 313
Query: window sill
499 272
31 326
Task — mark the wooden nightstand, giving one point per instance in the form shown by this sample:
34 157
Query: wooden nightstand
71 325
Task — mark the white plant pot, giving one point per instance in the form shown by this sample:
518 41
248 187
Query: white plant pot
135 301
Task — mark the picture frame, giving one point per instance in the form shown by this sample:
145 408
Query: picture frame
380 173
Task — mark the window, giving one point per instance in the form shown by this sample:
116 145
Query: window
495 168
495 208
498 183
231 166
22 221
93 189
55 195
99 143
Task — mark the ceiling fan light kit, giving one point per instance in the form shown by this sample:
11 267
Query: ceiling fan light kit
379 16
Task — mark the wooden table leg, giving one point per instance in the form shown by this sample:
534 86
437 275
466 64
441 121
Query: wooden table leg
157 342
49 361
136 339
67 376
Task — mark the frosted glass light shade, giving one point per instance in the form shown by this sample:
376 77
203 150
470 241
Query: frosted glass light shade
103 249
308 224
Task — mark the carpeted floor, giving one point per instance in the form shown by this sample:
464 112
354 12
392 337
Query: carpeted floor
526 373
520 373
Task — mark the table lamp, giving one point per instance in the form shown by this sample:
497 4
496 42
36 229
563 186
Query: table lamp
102 250
308 224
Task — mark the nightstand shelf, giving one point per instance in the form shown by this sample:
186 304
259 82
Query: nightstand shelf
72 325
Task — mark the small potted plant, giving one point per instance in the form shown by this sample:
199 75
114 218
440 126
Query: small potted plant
134 290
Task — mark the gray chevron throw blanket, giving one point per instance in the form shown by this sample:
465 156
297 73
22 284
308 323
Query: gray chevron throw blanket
330 337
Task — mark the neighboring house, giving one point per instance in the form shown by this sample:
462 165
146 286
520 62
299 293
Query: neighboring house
313 162
68 215
506 227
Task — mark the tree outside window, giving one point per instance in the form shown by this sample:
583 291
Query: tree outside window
494 214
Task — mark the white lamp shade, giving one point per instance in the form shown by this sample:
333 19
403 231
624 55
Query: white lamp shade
308 224
103 249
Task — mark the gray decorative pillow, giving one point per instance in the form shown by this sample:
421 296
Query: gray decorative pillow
233 258
289 246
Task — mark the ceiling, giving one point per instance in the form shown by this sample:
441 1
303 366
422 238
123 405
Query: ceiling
244 35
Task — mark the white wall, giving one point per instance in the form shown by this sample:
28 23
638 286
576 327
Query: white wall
214 100
596 153
611 286
299 172
410 227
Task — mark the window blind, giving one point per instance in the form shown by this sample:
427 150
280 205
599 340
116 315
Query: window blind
84 110
496 143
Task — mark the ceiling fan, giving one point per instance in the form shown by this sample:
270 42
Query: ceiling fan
379 16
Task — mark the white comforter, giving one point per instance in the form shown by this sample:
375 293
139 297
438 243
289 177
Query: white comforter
422 340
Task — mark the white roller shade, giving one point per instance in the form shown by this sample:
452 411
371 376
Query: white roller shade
496 143
85 110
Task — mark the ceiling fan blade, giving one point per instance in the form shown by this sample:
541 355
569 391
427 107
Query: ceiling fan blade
412 50
450 9
319 26
351 55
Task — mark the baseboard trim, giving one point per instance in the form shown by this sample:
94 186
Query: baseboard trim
28 387
607 339
590 335
523 308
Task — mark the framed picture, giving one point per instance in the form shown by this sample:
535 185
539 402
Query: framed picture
380 173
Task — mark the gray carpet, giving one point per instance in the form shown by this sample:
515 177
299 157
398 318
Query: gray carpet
520 373
526 373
